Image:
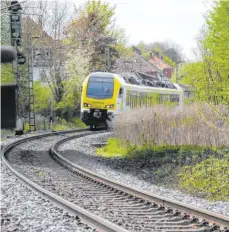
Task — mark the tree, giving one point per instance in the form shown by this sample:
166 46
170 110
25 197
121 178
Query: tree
77 69
93 27
43 99
49 53
216 55
171 53
210 75
7 75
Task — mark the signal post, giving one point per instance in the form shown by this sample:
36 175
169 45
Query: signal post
16 35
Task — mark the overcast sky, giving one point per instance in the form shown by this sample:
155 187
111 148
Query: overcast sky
160 20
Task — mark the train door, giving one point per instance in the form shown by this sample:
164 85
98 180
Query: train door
120 101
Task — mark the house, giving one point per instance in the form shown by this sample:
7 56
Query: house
188 90
137 70
46 50
160 64
137 64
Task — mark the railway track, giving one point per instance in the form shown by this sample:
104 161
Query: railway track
104 204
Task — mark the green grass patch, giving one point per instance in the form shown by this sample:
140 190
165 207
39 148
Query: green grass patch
113 148
62 124
201 171
79 123
5 133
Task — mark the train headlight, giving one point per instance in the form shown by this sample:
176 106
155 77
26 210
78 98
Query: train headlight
109 106
86 105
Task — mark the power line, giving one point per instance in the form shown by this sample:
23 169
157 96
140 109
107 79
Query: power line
14 4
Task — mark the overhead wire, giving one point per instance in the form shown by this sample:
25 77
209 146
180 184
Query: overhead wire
18 3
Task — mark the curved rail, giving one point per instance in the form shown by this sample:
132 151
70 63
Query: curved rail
93 220
214 220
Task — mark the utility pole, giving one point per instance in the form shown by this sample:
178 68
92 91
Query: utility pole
15 31
32 119
177 70
107 59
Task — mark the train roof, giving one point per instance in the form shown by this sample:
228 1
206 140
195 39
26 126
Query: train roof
102 74
136 87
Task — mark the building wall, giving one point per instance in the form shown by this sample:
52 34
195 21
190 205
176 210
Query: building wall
168 72
5 24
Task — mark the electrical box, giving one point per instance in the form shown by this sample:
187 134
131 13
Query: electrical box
8 106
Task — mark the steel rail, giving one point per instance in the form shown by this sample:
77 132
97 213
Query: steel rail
188 210
87 217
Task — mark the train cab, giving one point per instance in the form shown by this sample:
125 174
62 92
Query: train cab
101 98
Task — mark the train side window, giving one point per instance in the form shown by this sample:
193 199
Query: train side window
128 98
120 92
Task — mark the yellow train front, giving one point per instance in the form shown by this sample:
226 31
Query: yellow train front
100 98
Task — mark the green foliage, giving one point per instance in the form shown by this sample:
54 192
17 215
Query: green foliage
208 178
42 95
98 10
201 171
210 76
169 61
26 127
113 148
93 20
7 75
71 97
124 51
145 52
78 123
116 147
62 124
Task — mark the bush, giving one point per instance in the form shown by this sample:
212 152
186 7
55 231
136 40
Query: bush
209 178
161 125
185 147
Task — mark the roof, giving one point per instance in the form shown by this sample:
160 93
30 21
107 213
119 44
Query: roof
159 63
186 87
102 74
134 64
36 29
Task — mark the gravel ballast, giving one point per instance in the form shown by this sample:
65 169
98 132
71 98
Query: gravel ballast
22 209
82 152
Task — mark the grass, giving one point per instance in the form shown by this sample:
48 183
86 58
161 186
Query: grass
62 124
201 171
5 133
187 147
79 123
43 124
113 148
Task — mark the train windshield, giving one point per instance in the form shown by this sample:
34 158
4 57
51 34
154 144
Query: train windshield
100 87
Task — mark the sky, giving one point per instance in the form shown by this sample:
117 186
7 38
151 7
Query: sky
161 20
149 21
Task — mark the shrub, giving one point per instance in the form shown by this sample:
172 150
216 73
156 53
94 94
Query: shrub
160 125
209 178
186 144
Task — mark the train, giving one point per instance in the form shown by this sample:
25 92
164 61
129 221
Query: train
104 95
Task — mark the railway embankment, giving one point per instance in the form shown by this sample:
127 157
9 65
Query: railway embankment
136 172
189 149
23 209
